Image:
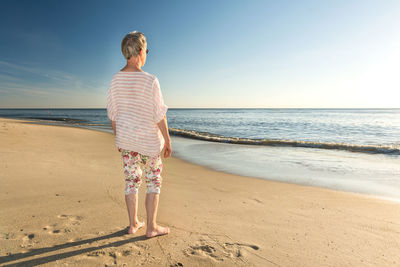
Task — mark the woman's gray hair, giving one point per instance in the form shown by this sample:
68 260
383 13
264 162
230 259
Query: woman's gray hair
132 43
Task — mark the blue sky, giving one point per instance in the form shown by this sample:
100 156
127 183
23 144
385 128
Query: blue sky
272 54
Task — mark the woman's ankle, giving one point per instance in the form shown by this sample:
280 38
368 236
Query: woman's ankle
151 226
135 224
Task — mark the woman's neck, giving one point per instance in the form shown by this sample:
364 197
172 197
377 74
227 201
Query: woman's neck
130 68
133 64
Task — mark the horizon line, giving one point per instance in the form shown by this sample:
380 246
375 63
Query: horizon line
221 108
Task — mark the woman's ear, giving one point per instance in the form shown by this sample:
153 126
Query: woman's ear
142 56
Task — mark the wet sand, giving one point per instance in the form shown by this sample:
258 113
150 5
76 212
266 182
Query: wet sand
62 202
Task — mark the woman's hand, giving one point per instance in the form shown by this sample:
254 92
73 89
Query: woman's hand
167 149
163 126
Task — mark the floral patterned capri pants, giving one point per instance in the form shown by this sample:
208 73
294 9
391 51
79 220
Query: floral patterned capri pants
133 164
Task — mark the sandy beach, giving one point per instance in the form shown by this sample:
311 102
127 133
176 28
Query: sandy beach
62 203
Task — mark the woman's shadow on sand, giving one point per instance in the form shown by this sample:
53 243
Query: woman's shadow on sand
46 259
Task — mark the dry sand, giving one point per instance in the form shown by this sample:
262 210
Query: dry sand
62 203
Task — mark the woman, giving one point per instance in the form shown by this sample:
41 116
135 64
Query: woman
137 112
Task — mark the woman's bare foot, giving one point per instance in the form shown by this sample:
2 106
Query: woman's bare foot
133 229
158 230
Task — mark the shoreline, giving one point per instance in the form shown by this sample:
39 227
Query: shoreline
62 202
380 197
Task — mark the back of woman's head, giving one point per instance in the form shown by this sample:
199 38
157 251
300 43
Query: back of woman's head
132 43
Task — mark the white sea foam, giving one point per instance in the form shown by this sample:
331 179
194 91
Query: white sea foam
372 174
206 136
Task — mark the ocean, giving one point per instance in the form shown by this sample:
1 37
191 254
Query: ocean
353 150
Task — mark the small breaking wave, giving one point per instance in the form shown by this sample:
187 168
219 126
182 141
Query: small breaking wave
206 136
66 120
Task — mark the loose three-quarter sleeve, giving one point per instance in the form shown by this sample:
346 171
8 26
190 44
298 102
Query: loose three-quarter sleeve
160 109
111 105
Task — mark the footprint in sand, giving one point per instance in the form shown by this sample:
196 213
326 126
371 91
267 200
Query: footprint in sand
109 255
28 240
68 222
235 249
206 250
72 219
219 251
52 229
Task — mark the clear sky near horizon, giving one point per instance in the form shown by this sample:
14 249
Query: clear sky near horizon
258 54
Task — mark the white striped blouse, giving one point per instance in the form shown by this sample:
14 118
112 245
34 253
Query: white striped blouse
135 103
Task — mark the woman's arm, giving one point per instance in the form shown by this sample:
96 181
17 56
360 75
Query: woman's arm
113 124
163 126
